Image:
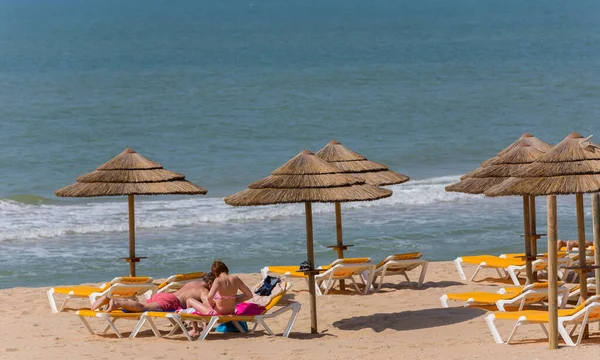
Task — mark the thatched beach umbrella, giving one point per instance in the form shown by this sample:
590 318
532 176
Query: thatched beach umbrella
307 179
500 168
357 165
571 167
129 173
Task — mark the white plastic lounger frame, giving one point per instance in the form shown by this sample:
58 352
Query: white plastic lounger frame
530 295
327 279
110 319
399 267
177 320
580 318
512 271
149 287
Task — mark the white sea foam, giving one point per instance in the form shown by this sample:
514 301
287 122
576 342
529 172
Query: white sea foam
21 221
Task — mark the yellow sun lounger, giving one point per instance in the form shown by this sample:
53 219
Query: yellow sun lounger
399 264
519 296
579 316
341 269
178 319
175 282
511 266
109 317
84 291
575 290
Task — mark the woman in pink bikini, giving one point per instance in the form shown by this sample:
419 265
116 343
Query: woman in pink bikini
222 296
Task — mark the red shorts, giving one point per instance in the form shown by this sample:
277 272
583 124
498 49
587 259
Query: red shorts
167 301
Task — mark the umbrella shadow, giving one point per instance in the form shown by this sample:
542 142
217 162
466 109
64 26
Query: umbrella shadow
503 281
409 320
386 287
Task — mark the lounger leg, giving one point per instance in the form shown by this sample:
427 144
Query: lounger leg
514 277
459 268
476 271
175 327
295 311
492 326
499 273
264 325
64 303
406 276
238 326
381 277
154 328
87 325
181 325
50 294
112 325
208 327
444 300
545 330
138 326
423 271
565 334
254 325
513 332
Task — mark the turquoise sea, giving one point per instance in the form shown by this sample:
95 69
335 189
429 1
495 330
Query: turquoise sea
227 91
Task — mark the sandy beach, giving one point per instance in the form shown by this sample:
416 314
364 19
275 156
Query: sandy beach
399 321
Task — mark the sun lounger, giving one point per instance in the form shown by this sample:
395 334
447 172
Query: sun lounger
574 293
579 316
175 282
109 317
520 296
399 264
178 319
511 266
112 288
341 269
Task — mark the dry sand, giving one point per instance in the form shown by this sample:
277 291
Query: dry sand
400 321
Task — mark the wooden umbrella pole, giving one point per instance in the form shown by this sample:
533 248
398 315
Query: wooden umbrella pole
533 230
596 226
340 239
311 276
596 218
131 235
527 236
583 293
552 281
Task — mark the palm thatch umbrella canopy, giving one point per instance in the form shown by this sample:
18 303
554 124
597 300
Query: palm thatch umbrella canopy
571 167
500 168
526 138
129 173
307 179
355 164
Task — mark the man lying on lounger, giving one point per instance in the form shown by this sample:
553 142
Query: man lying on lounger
570 244
162 301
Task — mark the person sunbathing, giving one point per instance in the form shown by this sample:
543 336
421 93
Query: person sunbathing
164 301
222 297
570 244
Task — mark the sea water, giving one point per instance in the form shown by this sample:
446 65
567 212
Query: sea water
227 91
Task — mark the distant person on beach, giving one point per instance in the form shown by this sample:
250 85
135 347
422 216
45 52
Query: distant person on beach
162 301
570 244
222 296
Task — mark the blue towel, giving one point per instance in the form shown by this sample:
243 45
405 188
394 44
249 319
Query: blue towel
229 327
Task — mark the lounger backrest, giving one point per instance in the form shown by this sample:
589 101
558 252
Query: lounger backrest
131 280
345 270
130 290
285 287
353 260
406 256
180 278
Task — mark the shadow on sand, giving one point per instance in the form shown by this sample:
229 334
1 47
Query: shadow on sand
386 287
409 320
